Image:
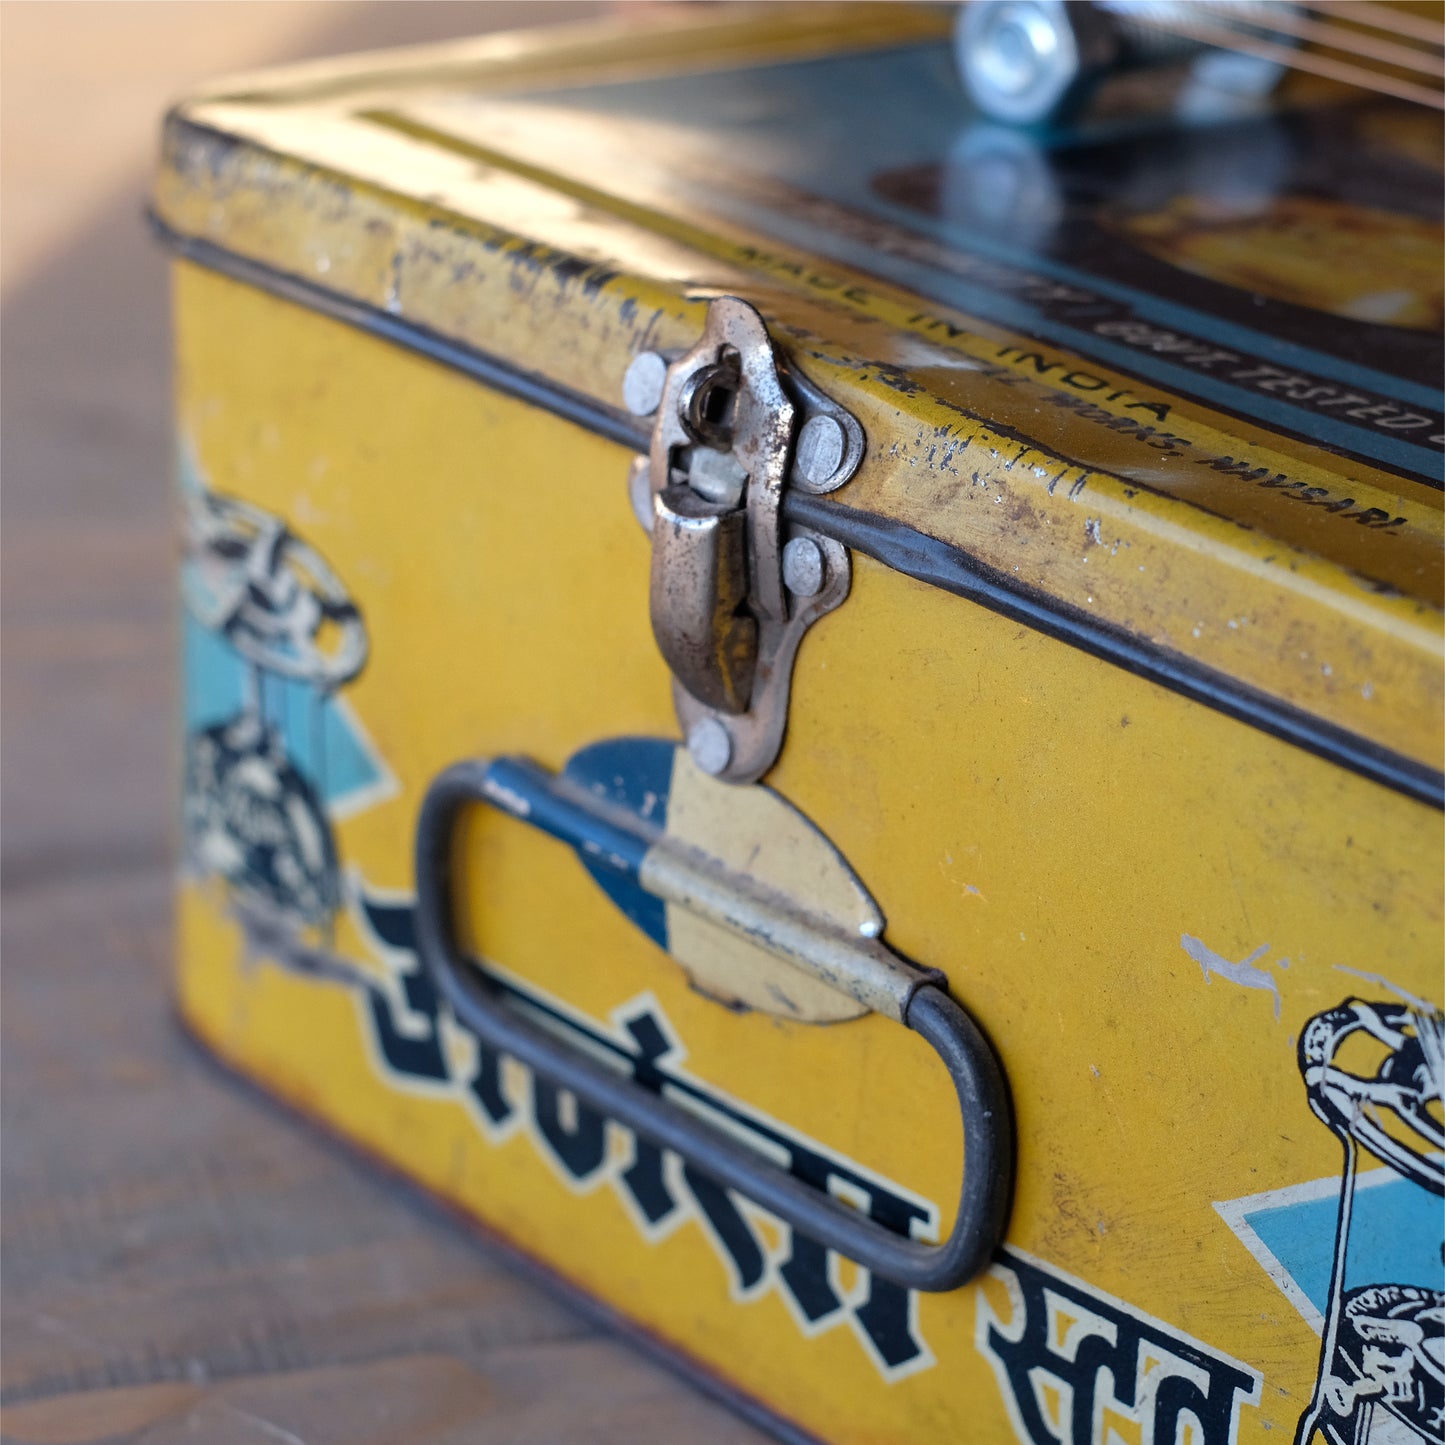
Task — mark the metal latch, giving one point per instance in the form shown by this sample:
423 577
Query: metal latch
735 587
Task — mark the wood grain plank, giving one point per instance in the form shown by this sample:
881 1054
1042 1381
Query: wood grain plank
142 1190
508 1399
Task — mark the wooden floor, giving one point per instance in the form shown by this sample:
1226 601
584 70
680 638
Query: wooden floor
181 1260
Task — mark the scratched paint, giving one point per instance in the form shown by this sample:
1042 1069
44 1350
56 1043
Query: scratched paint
919 723
1244 973
1404 995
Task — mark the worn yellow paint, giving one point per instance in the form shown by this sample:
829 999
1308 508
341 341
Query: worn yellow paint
1044 827
1038 824
397 201
755 837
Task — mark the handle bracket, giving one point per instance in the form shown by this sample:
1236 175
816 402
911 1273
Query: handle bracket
522 790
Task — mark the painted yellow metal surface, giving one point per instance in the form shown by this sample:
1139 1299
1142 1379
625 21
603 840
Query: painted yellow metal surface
1352 650
1143 901
1050 855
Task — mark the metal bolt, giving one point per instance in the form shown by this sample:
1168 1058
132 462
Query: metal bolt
643 384
803 568
710 745
1031 61
821 445
1019 57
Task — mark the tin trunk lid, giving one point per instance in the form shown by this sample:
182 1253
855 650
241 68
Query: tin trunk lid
1174 400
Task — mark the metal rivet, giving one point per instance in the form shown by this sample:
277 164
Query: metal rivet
643 384
821 445
710 745
803 567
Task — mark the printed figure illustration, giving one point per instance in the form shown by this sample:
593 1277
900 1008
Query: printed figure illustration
271 636
1382 1360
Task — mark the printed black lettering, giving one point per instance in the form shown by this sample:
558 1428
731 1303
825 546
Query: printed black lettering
579 1144
486 1085
728 1225
1297 388
410 1046
1112 1360
805 1272
646 1184
417 1058
941 324
886 1313
1232 468
1157 409
1037 361
885 1317
414 1052
644 1178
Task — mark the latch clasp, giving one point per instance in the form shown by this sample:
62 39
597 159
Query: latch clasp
734 586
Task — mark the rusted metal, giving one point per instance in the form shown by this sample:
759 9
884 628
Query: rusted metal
721 457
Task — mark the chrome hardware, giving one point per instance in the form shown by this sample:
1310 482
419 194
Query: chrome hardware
804 570
733 588
699 597
710 746
821 444
1026 62
643 383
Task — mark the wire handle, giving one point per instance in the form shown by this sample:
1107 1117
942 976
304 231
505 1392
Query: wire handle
523 791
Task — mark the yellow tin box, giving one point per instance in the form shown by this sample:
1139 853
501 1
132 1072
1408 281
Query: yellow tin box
828 716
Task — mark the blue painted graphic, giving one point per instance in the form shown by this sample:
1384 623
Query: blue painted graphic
635 773
320 737
1397 1234
270 635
